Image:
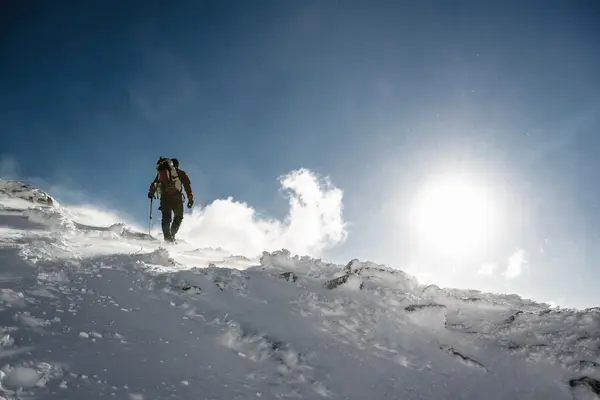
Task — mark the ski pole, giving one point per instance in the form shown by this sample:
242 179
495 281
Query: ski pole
150 221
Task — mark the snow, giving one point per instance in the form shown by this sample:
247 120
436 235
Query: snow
109 312
15 192
21 377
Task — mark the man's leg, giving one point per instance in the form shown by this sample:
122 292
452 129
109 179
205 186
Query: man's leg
166 209
178 210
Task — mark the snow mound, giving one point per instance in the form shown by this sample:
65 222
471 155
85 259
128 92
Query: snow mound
18 190
52 218
35 209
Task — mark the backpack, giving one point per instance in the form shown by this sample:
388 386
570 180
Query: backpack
167 178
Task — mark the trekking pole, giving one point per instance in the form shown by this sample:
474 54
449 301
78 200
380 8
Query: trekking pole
150 221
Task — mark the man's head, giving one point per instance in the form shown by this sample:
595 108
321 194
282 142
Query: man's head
175 162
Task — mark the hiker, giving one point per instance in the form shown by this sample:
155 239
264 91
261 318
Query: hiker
168 186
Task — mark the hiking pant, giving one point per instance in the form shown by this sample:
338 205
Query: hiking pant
168 206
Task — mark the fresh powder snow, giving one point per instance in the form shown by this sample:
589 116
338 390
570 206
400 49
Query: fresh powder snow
97 312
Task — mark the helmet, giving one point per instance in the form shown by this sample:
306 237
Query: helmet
175 162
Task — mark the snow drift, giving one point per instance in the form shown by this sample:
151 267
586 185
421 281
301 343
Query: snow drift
108 312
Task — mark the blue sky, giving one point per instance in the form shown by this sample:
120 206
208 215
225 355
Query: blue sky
376 95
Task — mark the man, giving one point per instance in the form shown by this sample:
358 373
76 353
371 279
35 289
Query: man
168 185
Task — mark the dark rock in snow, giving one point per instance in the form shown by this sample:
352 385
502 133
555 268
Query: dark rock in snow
516 346
353 263
333 283
416 307
289 276
358 267
588 364
513 317
367 270
467 360
591 383
196 289
471 299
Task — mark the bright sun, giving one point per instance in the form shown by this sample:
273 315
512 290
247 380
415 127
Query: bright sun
453 216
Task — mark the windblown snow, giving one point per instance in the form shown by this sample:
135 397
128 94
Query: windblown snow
92 312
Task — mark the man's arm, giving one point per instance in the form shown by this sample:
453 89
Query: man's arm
187 185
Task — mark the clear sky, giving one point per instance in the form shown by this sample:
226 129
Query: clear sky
376 95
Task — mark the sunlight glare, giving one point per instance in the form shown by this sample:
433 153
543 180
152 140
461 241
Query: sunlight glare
453 216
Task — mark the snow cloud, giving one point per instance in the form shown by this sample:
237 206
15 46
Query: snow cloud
93 216
516 262
487 269
313 224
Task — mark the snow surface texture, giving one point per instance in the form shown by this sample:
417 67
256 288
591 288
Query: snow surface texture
105 312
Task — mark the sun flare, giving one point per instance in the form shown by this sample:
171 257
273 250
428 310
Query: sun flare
453 216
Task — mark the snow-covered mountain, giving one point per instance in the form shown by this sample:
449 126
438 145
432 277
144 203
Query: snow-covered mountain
91 312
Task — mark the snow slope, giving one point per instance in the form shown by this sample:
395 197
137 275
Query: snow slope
92 312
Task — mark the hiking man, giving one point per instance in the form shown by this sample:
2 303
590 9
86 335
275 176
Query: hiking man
168 186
